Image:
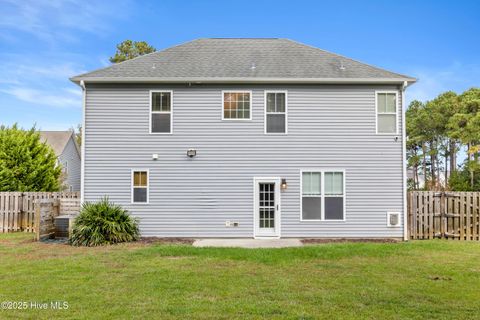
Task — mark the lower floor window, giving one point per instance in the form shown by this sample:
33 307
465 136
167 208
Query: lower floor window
334 195
140 186
323 195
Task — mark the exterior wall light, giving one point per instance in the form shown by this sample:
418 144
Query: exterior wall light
191 153
284 184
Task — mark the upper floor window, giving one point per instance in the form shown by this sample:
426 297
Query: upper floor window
386 105
161 111
237 105
275 112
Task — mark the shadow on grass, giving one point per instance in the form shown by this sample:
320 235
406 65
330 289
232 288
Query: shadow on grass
332 251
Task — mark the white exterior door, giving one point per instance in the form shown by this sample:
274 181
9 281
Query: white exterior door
267 207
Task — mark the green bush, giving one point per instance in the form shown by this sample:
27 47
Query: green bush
460 180
102 223
26 163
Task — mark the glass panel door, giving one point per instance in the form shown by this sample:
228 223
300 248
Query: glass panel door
267 210
266 206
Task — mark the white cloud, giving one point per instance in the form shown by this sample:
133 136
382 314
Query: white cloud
454 77
22 68
54 20
42 80
76 92
36 75
63 98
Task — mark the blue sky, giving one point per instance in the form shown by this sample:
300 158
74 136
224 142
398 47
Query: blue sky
43 43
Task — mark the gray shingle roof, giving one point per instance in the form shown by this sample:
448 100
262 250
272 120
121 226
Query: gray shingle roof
242 60
56 139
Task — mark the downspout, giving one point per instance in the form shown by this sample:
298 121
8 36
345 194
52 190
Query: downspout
404 166
82 175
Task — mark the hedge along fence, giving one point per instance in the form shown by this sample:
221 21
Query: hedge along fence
17 209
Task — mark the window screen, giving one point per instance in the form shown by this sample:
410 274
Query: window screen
161 122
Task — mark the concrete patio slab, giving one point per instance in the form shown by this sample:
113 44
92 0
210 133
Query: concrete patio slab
248 243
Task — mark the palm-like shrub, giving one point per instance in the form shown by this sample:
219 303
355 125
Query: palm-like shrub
101 223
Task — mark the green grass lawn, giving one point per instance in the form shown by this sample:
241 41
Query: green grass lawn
414 280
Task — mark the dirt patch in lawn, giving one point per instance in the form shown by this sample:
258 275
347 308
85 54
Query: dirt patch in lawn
347 240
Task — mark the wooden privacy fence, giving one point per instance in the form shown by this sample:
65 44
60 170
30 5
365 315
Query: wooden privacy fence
17 209
447 215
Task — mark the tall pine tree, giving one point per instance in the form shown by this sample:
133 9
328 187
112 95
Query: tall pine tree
129 49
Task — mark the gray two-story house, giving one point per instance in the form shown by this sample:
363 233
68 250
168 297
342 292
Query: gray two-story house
66 149
248 138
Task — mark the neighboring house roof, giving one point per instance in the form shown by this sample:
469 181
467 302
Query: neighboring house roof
243 60
58 140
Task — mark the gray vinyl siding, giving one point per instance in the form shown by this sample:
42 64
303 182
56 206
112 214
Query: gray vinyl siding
329 126
71 154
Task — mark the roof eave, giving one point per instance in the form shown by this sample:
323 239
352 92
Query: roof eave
244 80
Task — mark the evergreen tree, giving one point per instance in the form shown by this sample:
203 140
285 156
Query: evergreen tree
465 126
26 164
129 49
438 131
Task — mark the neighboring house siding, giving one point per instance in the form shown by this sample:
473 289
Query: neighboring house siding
73 174
329 127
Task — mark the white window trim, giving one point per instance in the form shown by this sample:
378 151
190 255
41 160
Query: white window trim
265 112
150 112
237 91
322 187
132 187
65 167
389 113
278 219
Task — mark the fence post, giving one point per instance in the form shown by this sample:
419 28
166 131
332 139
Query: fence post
2 214
37 220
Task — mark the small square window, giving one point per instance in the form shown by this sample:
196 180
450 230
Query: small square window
236 105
